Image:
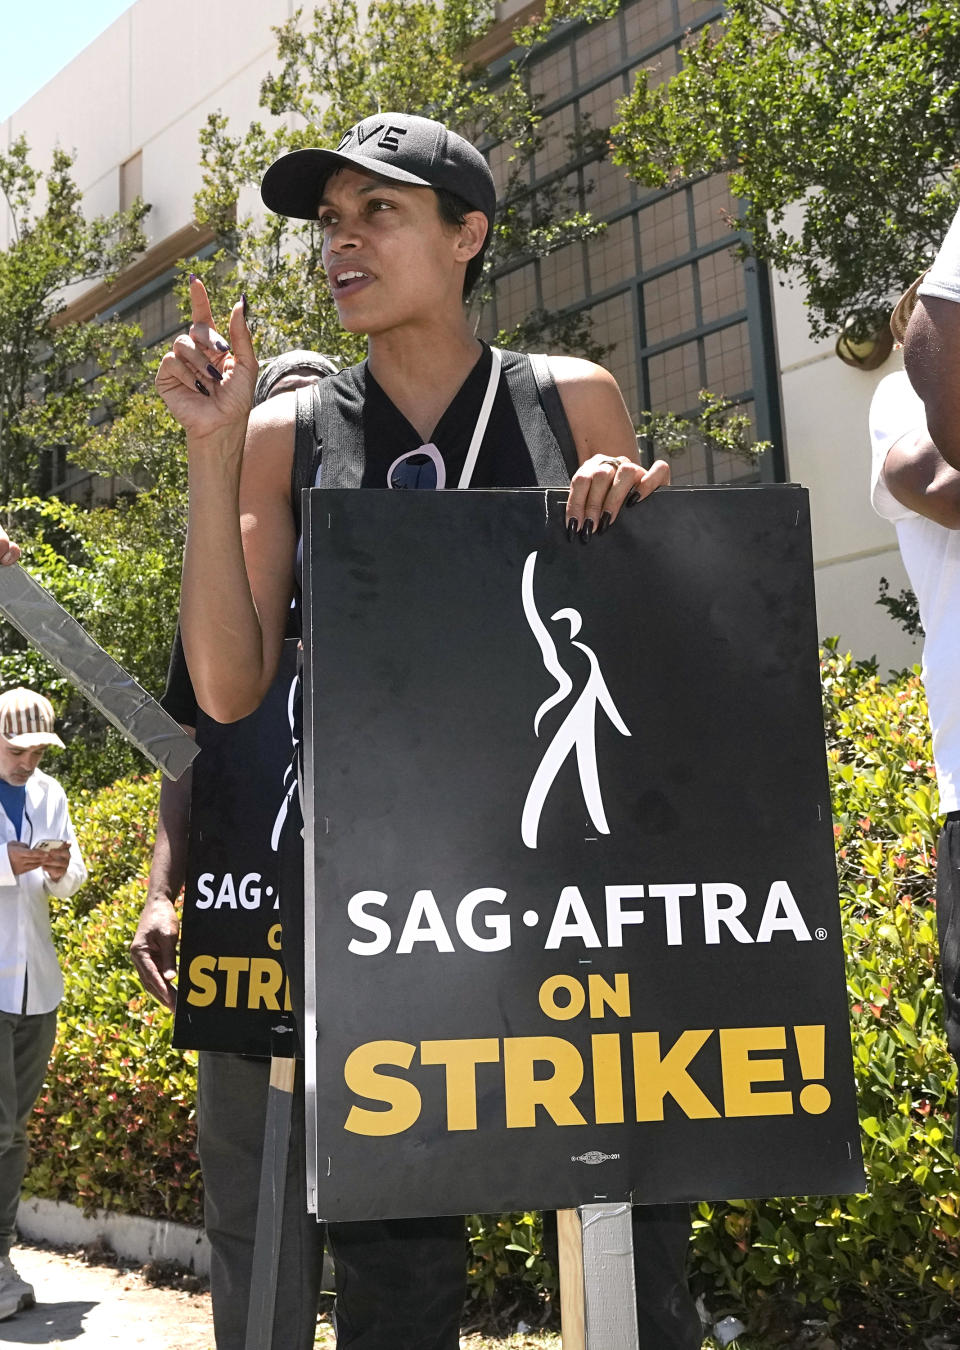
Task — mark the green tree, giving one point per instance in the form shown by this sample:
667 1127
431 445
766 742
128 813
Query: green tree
82 392
56 378
341 66
851 107
115 570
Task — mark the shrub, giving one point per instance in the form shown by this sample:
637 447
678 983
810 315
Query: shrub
115 827
114 570
114 1126
507 1263
891 1252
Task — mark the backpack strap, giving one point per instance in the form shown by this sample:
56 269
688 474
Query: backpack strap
544 434
344 459
556 413
307 448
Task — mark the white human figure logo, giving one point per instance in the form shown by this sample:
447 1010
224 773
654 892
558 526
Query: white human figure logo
289 777
578 730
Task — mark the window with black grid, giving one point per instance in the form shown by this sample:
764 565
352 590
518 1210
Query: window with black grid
662 283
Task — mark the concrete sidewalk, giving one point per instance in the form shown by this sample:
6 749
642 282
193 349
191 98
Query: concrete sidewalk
101 1307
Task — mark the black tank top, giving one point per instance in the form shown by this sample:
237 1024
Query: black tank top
366 416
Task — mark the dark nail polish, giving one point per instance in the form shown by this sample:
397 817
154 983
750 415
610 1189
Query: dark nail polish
587 530
212 370
633 498
604 523
573 526
202 388
246 307
193 276
222 346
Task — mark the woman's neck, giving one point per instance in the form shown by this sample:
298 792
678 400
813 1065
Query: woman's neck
420 372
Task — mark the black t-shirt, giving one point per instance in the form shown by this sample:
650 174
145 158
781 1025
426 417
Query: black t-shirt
178 699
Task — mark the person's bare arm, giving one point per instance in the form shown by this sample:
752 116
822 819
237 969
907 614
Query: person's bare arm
919 477
610 472
154 946
238 561
931 353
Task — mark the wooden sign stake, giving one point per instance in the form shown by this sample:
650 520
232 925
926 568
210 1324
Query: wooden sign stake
273 1184
598 1296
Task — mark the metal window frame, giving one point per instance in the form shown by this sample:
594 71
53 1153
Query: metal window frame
763 390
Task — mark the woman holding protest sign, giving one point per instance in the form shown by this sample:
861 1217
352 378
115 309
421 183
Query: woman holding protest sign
406 207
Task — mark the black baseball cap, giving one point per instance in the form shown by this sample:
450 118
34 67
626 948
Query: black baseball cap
398 146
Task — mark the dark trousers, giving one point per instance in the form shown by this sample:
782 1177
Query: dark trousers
231 1114
25 1045
400 1285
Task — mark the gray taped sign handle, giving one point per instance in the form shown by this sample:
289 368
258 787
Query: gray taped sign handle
54 633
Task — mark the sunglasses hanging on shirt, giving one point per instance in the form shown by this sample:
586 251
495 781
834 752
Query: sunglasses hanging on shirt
424 468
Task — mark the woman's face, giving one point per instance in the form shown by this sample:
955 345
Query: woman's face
388 256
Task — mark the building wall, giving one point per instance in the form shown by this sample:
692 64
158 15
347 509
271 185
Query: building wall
825 406
146 85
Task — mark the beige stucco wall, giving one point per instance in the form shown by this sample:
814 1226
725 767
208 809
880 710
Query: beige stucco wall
147 84
825 406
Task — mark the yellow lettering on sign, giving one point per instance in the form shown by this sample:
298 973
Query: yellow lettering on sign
233 967
266 977
656 1076
203 989
607 1079
545 1073
525 1092
616 998
460 1059
562 1012
361 1077
740 1072
273 937
815 1097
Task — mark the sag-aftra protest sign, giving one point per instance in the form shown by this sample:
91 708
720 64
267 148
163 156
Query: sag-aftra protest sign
575 906
233 989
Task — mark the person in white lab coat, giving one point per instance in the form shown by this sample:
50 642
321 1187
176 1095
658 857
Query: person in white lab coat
39 857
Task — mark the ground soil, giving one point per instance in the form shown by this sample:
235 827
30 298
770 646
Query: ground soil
102 1306
90 1298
